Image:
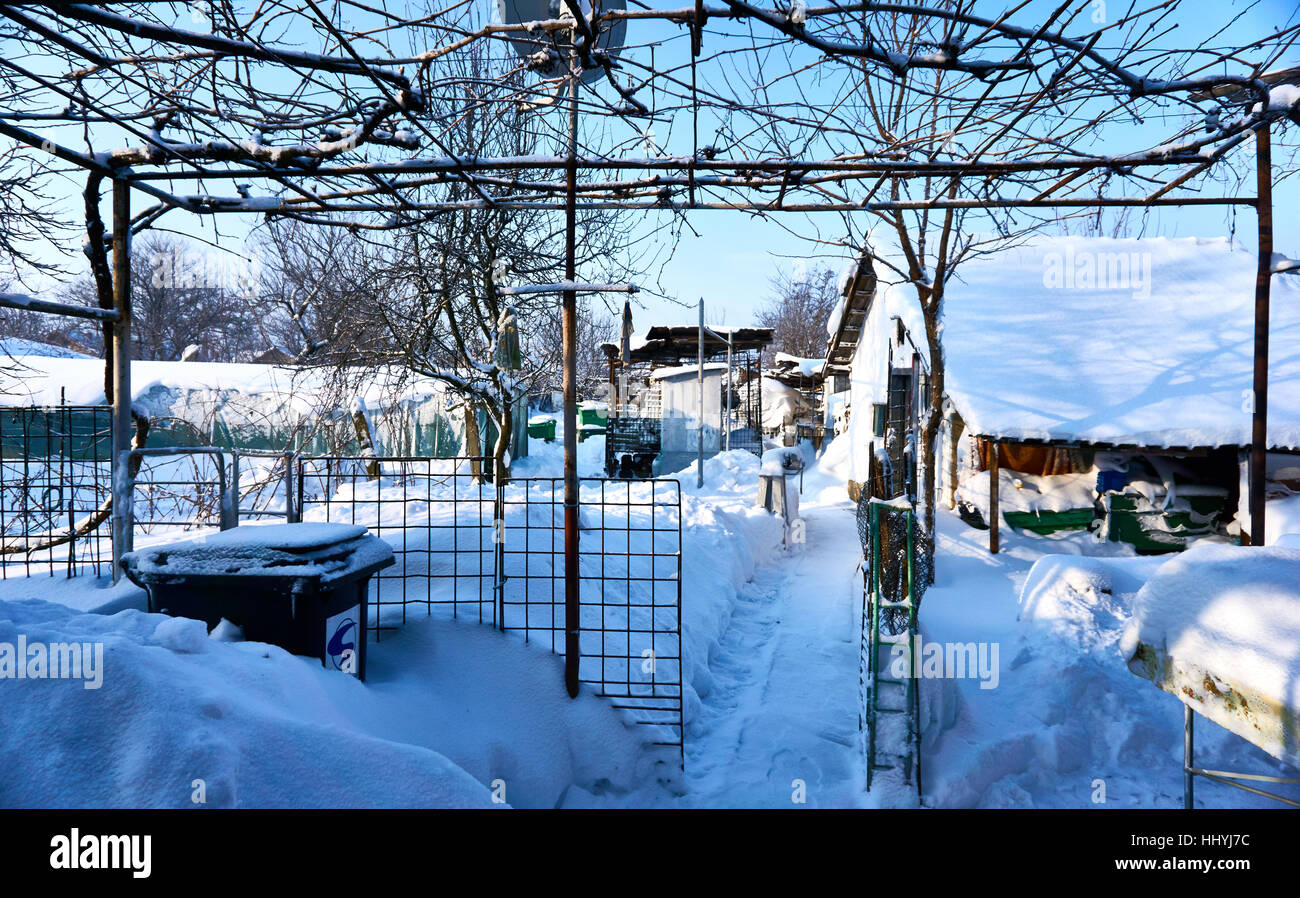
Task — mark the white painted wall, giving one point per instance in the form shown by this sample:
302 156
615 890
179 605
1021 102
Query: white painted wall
869 375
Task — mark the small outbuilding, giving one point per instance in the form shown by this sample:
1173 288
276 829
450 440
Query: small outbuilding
1090 383
664 400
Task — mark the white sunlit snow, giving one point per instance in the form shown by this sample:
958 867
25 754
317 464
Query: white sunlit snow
456 713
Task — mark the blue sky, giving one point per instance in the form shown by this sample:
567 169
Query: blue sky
731 263
732 260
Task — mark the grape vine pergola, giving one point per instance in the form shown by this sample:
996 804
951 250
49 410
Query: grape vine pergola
339 114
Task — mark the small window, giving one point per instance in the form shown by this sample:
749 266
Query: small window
878 410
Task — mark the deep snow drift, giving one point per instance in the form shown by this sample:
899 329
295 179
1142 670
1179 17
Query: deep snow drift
468 712
457 714
1069 724
180 716
449 713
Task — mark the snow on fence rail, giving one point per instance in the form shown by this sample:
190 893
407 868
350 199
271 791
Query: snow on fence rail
55 478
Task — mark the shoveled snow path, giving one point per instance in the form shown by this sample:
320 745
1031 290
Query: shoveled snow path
784 706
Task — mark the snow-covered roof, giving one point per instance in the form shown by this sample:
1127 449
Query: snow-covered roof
689 370
805 367
16 346
671 345
1143 342
43 381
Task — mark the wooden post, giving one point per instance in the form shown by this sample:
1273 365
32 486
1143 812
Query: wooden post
121 525
614 398
994 478
473 442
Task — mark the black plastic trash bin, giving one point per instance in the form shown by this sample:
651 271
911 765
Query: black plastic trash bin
302 587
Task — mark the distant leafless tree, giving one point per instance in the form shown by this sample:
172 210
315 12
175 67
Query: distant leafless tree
429 292
596 325
797 309
182 294
316 292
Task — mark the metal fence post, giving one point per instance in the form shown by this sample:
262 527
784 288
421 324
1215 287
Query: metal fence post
499 555
291 514
572 573
230 496
699 423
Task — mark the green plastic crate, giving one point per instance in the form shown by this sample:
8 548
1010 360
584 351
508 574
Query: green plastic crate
1128 525
592 415
1047 522
543 430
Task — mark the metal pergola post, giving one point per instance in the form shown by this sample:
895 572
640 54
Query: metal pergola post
727 410
572 581
1263 282
120 522
699 466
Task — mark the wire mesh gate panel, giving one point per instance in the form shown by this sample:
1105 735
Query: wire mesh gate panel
630 557
890 710
54 478
438 515
468 549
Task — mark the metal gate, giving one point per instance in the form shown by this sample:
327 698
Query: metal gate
495 553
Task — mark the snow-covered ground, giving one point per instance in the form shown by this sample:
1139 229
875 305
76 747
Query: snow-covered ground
1068 726
455 713
779 728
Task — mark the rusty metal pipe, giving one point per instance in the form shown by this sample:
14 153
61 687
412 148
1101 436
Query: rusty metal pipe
1263 280
572 581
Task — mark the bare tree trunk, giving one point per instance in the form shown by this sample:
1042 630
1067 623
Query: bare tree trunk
933 421
473 444
365 439
504 434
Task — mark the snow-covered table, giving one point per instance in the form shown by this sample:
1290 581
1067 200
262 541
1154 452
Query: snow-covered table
302 587
1219 627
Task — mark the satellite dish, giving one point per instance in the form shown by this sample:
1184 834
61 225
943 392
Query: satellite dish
519 12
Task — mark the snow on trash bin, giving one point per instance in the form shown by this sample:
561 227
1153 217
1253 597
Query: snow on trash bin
302 587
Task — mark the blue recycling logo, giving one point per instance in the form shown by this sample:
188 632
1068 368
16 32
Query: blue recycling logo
343 639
